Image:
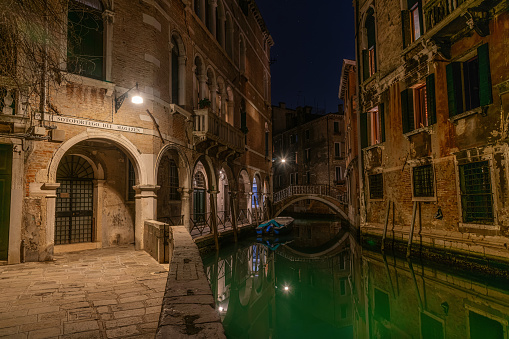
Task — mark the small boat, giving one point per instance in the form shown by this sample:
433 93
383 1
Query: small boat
276 226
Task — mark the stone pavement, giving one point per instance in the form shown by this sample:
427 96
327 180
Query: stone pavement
105 293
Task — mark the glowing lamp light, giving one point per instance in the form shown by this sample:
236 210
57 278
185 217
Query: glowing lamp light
283 160
286 288
137 100
221 309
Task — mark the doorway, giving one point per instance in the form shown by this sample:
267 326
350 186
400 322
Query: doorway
5 198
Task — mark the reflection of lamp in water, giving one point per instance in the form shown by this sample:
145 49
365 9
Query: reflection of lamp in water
221 309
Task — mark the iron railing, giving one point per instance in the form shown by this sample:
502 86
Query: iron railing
438 10
207 124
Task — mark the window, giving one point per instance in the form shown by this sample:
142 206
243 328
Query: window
416 20
338 174
337 149
482 327
131 181
376 186
382 305
431 328
306 133
296 159
293 138
373 126
469 82
336 127
279 180
85 53
418 105
476 193
292 179
342 287
307 155
423 181
369 45
308 177
296 178
174 181
174 72
244 6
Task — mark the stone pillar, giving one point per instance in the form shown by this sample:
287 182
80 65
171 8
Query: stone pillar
229 112
202 78
17 191
186 207
250 206
233 208
98 204
213 97
50 193
146 205
182 80
212 17
108 19
213 216
202 10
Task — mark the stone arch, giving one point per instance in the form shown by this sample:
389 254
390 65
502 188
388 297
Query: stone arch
119 140
185 175
244 188
327 202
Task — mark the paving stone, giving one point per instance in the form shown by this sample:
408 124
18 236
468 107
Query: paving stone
17 321
123 322
129 313
40 325
8 331
127 306
50 332
122 331
80 326
83 335
46 309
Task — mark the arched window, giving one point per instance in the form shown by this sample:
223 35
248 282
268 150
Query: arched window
197 7
174 72
85 51
255 198
369 45
174 181
220 23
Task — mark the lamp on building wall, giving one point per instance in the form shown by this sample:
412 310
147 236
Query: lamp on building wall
136 99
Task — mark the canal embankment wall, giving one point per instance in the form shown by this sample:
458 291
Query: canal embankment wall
188 307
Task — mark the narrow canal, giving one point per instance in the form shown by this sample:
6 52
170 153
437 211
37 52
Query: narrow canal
320 283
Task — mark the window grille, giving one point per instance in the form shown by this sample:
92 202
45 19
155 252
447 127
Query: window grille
131 182
423 181
174 181
476 194
376 186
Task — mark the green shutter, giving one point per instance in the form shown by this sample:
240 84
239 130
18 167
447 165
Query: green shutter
407 110
381 110
365 64
485 94
454 88
405 28
430 93
364 130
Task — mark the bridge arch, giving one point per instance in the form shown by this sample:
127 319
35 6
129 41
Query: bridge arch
325 201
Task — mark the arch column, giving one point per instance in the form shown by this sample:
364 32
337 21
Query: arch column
250 206
146 206
182 80
202 10
108 18
213 215
233 209
185 199
49 191
213 96
98 203
229 113
202 79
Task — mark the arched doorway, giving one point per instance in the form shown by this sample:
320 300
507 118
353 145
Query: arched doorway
199 195
169 204
74 215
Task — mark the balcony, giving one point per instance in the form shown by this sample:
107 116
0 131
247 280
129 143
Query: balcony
445 18
216 136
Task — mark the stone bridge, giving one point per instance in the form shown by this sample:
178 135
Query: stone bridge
329 195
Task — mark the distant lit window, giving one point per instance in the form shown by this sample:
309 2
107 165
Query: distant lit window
423 181
476 192
376 186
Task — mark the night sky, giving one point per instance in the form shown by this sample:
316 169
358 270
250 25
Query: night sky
311 40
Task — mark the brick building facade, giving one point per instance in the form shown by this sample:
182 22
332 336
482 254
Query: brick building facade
86 171
433 101
309 149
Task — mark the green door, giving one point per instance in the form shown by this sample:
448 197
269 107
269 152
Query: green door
5 197
199 204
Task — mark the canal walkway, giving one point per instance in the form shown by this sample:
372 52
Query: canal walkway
106 293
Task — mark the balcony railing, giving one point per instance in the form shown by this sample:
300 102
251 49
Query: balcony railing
437 10
207 125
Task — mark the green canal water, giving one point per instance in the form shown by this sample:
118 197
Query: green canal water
320 283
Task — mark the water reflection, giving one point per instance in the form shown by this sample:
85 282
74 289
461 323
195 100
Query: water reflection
318 286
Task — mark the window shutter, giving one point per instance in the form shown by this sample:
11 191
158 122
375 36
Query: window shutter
407 110
421 20
243 123
365 64
381 110
454 88
405 28
364 130
430 92
485 94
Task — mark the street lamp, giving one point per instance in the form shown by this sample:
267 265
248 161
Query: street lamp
136 99
283 160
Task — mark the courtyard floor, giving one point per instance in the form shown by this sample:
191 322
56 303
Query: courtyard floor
105 293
